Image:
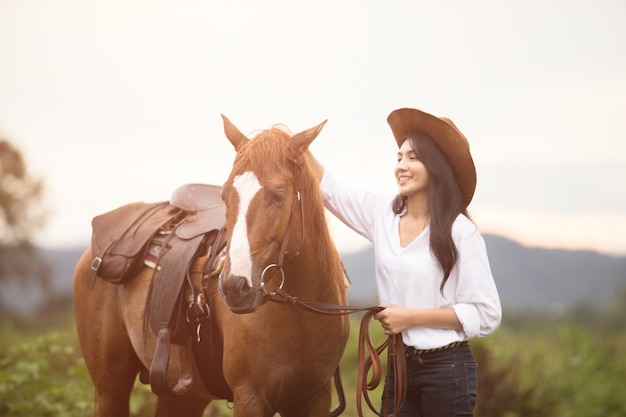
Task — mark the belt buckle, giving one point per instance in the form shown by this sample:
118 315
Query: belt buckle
95 263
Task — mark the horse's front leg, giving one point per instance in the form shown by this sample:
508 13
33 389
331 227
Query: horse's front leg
249 402
320 405
181 407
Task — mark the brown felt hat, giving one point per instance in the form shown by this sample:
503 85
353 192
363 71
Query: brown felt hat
446 135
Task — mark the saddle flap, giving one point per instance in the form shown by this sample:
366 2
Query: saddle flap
166 293
120 236
124 230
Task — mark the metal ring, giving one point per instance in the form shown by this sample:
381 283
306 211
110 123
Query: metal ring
282 280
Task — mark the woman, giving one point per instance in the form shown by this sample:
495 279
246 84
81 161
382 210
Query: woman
432 270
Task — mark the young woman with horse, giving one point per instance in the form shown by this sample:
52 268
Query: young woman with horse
432 270
267 358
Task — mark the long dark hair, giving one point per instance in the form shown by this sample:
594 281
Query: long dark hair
445 200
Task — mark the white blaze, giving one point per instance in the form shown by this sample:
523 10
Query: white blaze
247 186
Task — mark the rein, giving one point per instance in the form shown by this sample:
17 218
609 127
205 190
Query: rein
396 359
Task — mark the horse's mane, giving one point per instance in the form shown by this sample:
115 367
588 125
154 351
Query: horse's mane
253 155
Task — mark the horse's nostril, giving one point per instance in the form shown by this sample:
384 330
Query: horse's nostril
235 284
239 296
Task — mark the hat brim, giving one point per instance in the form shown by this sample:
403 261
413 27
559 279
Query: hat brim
446 135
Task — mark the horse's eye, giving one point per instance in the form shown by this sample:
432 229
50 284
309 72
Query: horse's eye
278 197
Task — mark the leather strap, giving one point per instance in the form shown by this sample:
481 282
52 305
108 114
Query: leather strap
160 361
396 359
164 304
396 366
341 395
298 201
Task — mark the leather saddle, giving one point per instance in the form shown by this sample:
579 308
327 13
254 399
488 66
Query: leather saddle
182 240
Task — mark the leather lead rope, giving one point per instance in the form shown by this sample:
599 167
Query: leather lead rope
396 359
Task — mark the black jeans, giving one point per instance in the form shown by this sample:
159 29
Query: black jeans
440 384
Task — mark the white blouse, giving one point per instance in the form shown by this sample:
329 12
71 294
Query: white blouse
411 276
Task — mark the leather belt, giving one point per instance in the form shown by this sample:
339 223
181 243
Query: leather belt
411 351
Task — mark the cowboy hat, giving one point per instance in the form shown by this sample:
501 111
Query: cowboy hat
446 135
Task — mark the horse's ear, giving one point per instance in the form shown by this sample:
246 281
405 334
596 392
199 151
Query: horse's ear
301 141
233 134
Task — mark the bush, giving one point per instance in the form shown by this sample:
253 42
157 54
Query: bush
43 376
535 368
565 370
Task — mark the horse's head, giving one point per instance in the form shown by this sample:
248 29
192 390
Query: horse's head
262 197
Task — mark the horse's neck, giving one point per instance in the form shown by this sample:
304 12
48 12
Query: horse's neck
319 273
317 268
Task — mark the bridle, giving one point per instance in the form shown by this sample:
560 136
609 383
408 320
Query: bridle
299 166
396 359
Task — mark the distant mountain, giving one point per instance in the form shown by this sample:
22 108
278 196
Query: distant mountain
24 297
527 278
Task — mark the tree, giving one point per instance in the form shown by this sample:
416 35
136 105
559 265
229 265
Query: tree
21 215
20 197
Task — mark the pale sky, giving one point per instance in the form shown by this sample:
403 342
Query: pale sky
113 102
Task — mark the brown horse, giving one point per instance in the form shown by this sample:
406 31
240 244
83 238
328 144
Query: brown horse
273 358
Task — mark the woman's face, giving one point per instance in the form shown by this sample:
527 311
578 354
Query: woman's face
411 174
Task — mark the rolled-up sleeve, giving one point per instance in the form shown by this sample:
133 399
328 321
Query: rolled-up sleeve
477 301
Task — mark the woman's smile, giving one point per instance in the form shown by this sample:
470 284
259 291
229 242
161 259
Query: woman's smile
411 174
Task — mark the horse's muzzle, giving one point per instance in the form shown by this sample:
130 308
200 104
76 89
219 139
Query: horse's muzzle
239 296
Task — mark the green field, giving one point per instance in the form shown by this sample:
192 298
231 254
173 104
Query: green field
532 366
